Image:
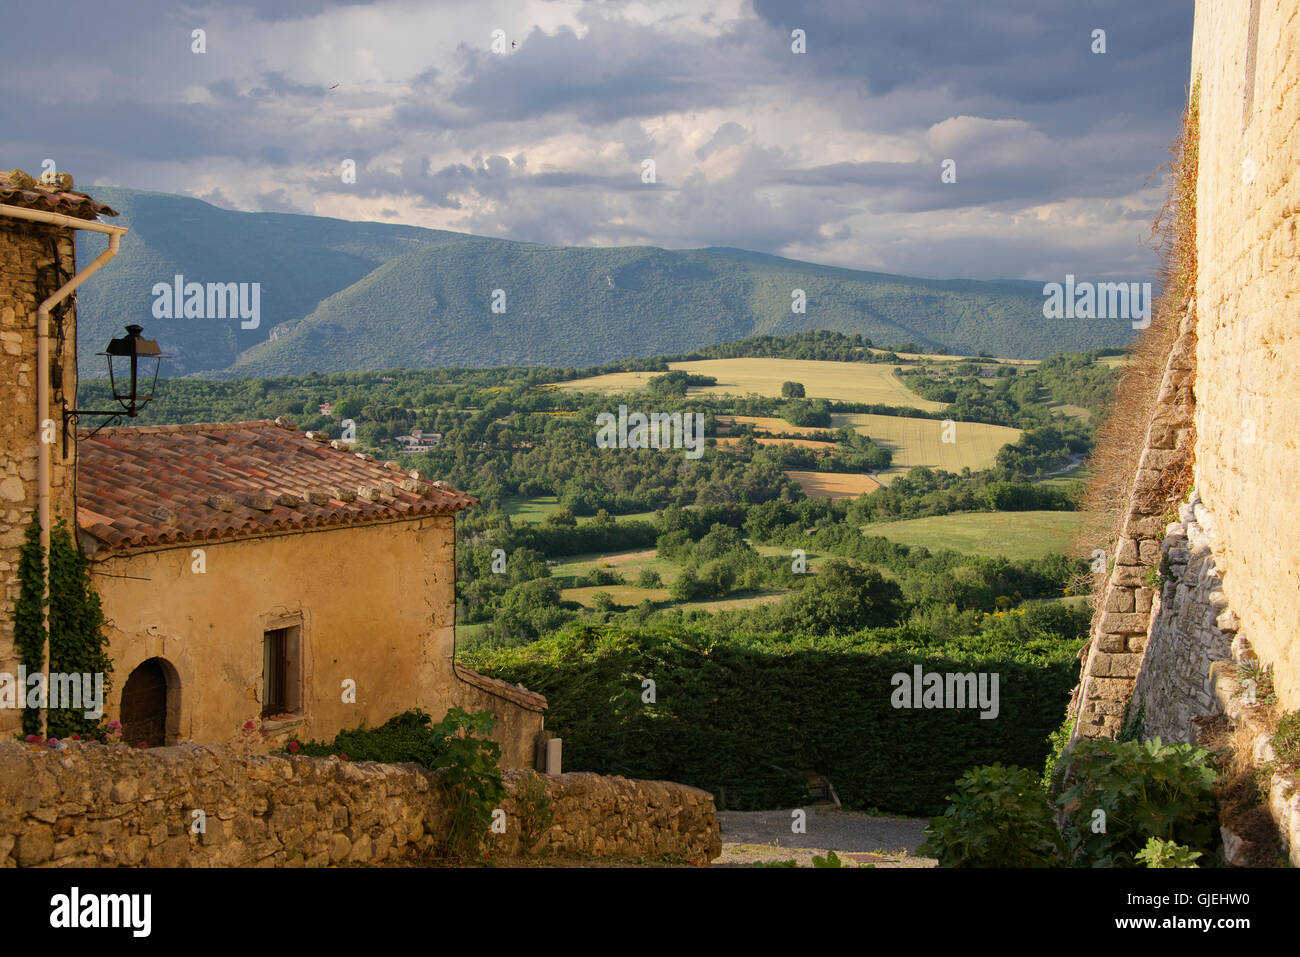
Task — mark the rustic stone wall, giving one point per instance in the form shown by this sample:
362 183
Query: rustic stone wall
1191 628
35 260
1248 300
1119 631
91 805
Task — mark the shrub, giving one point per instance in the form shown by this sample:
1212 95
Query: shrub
1158 853
1143 789
470 776
998 817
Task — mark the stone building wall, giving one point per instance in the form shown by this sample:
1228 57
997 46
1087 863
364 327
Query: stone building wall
91 805
35 260
1119 633
1247 57
1191 629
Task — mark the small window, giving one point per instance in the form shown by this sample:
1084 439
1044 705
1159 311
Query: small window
281 677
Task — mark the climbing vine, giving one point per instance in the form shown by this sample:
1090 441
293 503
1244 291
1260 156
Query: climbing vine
76 627
29 624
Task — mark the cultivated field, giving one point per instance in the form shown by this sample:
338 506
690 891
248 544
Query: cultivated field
833 485
1013 534
534 510
920 441
841 381
727 443
768 424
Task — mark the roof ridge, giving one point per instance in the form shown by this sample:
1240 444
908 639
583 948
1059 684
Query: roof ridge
187 427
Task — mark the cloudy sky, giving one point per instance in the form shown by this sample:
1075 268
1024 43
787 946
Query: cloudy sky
833 155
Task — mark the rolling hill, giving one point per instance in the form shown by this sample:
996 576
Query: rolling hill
342 296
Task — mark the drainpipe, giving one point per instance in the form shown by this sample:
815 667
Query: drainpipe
43 390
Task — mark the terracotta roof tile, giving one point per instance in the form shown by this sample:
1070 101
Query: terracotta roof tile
146 486
19 189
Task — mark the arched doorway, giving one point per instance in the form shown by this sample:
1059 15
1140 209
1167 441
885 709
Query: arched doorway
149 698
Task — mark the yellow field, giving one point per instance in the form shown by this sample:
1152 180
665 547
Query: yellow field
919 441
763 423
727 443
841 381
833 485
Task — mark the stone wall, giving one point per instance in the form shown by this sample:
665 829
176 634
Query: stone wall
35 260
1119 631
1191 629
1248 302
520 714
91 805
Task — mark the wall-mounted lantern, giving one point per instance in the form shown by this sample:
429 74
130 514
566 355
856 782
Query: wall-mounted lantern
128 366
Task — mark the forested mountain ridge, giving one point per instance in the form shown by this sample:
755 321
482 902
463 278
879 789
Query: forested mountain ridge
341 296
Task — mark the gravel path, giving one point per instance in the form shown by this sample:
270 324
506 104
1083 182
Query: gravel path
752 836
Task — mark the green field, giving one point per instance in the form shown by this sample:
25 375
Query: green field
839 381
535 509
920 441
1013 534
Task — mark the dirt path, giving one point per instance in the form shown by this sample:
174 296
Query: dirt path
859 838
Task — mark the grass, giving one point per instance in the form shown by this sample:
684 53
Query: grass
536 509
1013 534
833 485
840 381
920 441
764 424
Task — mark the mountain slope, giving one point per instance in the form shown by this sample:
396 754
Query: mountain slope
299 260
349 296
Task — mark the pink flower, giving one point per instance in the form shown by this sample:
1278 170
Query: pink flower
143 744
343 757
114 725
76 737
51 742
249 726
294 747
33 739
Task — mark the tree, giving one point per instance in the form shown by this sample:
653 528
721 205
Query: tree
792 390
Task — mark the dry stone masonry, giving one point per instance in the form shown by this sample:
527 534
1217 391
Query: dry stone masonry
1191 629
92 805
1119 633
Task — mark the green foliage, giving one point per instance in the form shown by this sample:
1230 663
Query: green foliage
404 738
29 619
458 747
536 811
830 860
1055 746
1286 742
1145 789
792 390
469 776
77 642
1159 853
748 711
781 864
998 817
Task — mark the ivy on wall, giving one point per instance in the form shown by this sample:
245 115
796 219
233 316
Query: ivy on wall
76 626
29 624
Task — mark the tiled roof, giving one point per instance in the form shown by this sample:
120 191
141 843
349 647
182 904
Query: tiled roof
19 189
160 485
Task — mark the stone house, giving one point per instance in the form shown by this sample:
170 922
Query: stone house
248 572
